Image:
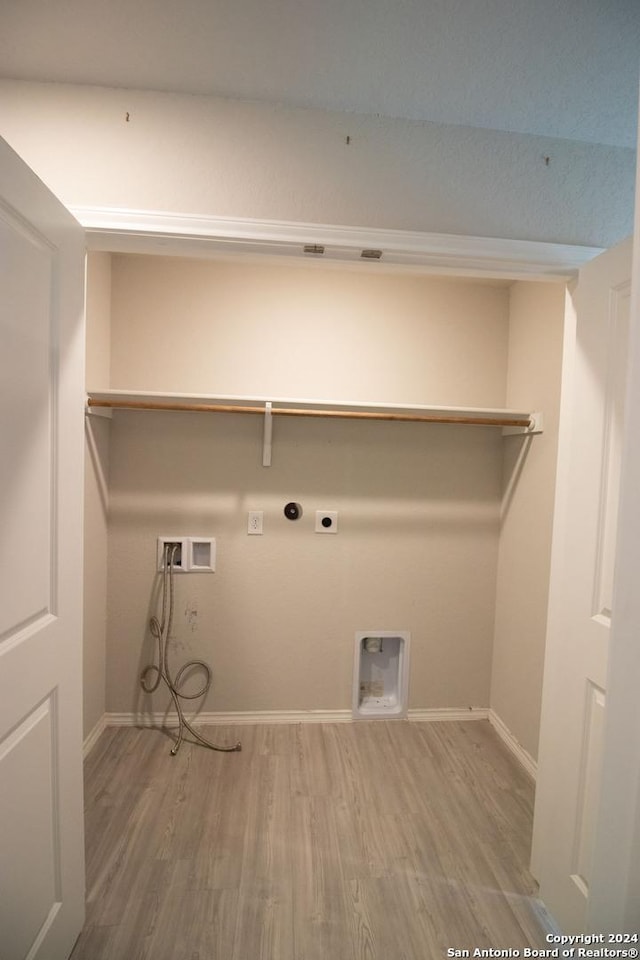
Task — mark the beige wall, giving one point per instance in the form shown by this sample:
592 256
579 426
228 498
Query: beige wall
533 382
98 311
416 550
418 505
96 494
306 331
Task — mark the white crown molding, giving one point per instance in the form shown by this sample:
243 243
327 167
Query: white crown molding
516 748
168 234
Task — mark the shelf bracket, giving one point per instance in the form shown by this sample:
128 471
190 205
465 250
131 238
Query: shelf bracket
268 433
104 412
536 426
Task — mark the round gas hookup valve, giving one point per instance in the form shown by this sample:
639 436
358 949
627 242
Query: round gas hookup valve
293 511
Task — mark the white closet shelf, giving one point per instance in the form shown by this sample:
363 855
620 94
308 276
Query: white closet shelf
287 406
512 421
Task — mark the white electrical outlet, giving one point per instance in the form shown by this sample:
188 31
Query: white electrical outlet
254 522
326 521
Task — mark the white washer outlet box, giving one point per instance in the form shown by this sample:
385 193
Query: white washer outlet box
190 554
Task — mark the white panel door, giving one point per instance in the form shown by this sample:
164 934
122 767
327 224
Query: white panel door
41 432
575 681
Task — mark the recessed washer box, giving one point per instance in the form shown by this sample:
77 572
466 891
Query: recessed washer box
192 554
202 555
180 554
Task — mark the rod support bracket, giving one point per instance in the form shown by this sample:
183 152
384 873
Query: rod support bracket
536 427
91 411
268 433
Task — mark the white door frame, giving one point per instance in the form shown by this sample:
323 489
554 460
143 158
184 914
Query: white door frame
615 890
618 825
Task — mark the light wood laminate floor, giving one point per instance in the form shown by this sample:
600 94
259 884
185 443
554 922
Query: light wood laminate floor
358 841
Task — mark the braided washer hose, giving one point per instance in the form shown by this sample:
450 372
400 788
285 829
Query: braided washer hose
161 630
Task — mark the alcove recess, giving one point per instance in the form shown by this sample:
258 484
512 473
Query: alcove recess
422 431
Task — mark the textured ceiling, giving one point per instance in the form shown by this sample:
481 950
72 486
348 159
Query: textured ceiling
562 68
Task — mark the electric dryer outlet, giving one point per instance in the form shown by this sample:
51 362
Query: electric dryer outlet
326 521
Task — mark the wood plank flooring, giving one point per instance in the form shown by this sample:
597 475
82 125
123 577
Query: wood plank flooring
365 841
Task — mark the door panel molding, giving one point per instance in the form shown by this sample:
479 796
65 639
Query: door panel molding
588 792
617 349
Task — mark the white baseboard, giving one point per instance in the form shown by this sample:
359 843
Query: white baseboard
232 718
449 713
417 715
286 716
516 748
92 738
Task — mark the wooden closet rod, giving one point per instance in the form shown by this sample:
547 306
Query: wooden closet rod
524 422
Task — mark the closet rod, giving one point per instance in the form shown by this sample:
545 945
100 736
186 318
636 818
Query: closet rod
525 422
